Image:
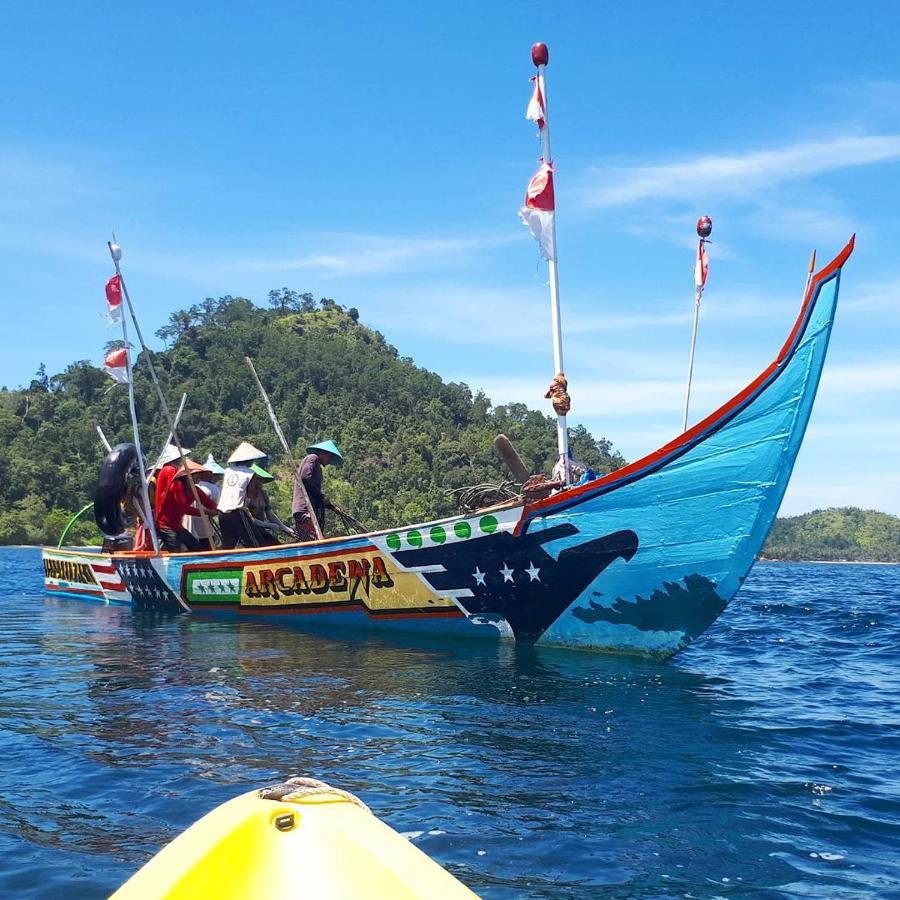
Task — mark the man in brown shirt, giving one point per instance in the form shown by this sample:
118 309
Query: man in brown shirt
309 475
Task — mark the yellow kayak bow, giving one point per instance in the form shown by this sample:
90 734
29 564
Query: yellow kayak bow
301 838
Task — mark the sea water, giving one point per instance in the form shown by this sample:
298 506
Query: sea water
765 758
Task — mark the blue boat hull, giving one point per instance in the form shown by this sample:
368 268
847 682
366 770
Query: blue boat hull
641 561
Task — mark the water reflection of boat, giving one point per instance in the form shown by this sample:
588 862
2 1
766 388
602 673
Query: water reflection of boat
642 560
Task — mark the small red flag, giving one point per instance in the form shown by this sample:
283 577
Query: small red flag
537 213
701 268
535 111
116 364
114 299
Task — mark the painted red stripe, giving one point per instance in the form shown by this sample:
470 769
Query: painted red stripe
109 586
107 569
73 590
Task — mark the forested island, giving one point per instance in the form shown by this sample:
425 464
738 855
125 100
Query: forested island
850 534
408 437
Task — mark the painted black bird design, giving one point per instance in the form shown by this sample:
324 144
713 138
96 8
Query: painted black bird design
516 578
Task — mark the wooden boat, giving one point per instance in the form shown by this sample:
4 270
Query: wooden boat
642 560
301 838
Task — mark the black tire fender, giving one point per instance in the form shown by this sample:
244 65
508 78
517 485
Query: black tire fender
114 473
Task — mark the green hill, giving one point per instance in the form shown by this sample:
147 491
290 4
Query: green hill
836 534
407 435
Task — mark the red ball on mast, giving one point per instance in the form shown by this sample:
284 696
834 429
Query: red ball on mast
540 55
704 226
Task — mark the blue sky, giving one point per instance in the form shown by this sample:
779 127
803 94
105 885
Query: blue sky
377 154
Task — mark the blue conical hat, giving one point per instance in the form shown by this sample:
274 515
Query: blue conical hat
331 447
213 466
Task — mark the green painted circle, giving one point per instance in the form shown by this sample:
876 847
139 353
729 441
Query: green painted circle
393 541
463 529
488 524
414 538
438 535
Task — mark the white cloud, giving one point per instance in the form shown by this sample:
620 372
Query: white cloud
739 175
876 377
876 490
873 296
349 254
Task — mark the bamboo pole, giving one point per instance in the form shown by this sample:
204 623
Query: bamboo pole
297 479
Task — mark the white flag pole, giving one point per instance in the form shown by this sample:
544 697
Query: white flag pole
704 230
687 395
115 251
540 56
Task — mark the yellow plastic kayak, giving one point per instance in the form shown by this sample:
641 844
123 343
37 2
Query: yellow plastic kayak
301 838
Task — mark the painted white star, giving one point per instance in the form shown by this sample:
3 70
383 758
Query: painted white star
507 572
478 575
533 572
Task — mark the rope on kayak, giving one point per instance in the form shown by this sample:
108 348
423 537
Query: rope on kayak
298 788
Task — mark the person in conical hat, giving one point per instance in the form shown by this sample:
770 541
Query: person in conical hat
174 500
213 467
235 520
309 476
259 505
245 453
169 454
206 478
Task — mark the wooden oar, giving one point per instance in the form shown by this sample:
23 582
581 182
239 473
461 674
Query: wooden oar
297 479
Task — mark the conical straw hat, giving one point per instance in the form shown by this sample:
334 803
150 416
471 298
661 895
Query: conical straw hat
213 466
194 468
245 452
170 454
329 446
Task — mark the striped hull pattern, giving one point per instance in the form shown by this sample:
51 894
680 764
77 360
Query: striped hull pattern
641 561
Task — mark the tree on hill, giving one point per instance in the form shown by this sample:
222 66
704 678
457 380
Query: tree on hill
407 435
836 534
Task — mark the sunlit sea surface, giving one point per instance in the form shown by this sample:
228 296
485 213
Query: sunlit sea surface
766 758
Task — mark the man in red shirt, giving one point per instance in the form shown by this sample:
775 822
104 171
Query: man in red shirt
174 501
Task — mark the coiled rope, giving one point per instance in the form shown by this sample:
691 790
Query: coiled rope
297 788
478 496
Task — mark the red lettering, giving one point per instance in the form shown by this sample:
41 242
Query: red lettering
251 588
267 584
336 577
279 577
300 585
358 574
318 579
380 573
357 569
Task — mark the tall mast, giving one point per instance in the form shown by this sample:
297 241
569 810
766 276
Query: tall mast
147 511
540 56
115 251
704 230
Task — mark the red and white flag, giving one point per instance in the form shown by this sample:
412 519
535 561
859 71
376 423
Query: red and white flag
701 267
114 299
116 365
535 111
538 211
